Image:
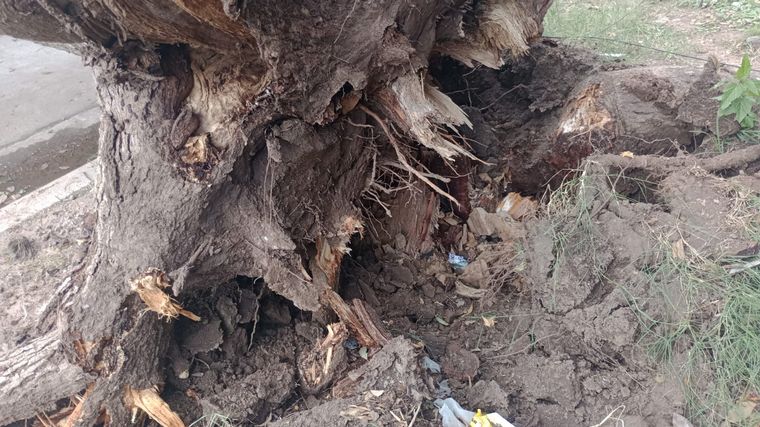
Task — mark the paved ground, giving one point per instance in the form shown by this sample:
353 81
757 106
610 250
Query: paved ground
48 113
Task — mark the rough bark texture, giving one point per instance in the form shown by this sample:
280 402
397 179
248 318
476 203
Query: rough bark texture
40 359
230 145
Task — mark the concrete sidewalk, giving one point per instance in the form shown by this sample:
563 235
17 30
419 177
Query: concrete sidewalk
49 114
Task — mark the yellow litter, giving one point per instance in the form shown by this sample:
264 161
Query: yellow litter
453 415
480 420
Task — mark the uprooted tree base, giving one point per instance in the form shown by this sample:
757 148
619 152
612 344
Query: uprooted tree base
237 171
237 139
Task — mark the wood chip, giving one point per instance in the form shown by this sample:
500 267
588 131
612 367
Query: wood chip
151 289
148 401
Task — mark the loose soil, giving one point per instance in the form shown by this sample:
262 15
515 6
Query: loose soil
539 327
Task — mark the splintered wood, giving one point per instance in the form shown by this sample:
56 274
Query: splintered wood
148 401
356 317
368 330
505 26
151 289
318 366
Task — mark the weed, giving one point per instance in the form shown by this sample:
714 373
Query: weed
754 30
741 94
571 211
749 136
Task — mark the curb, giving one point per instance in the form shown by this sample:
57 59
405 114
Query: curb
64 188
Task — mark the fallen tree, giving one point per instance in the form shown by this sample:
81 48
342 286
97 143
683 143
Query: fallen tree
237 138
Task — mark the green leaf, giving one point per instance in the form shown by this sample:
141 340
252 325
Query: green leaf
754 87
749 121
440 320
743 72
743 109
732 93
731 109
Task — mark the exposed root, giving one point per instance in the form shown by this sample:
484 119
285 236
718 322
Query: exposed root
76 412
731 160
504 26
402 158
421 110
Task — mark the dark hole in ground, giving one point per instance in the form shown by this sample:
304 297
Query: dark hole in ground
749 169
239 361
509 134
637 185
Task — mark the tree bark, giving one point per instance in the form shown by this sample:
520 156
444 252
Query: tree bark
230 144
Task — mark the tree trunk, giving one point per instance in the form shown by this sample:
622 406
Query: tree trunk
235 140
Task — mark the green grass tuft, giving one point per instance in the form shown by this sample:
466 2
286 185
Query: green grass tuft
711 339
706 330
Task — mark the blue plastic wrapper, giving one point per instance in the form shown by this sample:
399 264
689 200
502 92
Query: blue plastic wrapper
351 343
458 262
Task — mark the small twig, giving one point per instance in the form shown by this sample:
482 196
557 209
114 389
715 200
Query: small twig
612 415
735 269
414 417
396 417
527 347
502 96
427 174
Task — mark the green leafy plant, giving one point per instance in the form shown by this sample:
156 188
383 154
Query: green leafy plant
741 94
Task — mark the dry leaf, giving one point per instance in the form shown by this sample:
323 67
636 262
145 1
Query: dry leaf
679 249
517 206
360 413
469 292
627 154
350 100
440 320
489 321
741 411
151 403
364 353
469 310
150 288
